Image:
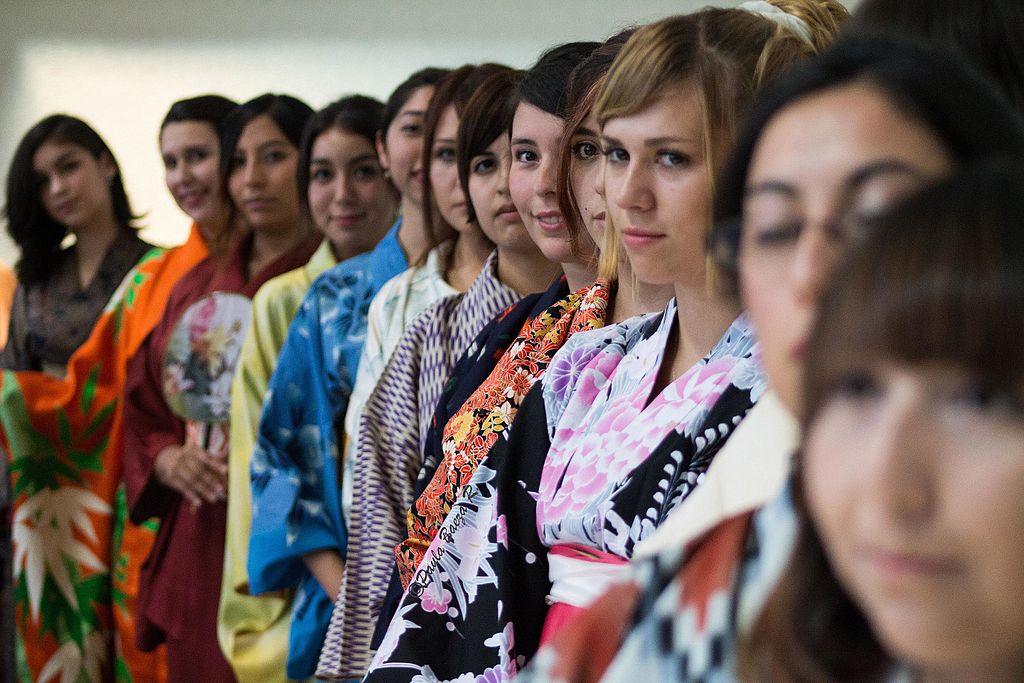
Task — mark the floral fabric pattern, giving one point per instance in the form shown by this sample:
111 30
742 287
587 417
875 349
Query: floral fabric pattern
551 481
471 433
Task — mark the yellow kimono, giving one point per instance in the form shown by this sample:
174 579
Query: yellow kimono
253 631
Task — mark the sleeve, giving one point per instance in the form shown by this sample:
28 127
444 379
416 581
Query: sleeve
149 427
371 365
295 497
14 355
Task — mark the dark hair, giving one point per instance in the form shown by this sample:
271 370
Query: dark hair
487 116
545 84
584 84
989 35
428 76
356 114
211 109
37 234
940 277
924 85
455 90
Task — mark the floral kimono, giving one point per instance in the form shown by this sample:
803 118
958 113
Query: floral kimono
680 617
476 427
253 631
388 456
592 465
179 587
296 502
73 553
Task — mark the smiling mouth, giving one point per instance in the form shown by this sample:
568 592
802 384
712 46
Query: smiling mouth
550 221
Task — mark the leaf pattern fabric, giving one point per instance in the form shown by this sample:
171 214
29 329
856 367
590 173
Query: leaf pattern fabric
476 605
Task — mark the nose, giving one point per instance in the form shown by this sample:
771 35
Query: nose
633 191
813 262
599 179
504 169
344 189
55 184
253 172
546 179
899 455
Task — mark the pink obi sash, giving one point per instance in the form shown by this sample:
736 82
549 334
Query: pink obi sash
579 575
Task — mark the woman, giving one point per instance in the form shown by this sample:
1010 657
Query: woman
349 201
902 569
397 414
504 517
178 388
88 401
841 138
64 180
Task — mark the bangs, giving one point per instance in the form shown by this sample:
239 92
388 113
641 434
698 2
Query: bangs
939 279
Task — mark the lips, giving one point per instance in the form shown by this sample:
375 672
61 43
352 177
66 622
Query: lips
550 221
191 199
258 204
509 212
636 238
909 564
348 220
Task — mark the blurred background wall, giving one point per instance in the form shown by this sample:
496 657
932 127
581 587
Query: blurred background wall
119 64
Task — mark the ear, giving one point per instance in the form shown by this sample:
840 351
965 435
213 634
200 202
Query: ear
382 153
107 166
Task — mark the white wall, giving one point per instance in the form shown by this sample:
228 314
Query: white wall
120 63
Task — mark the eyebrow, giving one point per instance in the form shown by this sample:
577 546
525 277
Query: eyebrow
413 112
361 158
437 140
769 187
583 130
880 167
523 141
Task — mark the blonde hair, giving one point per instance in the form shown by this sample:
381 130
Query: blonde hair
725 55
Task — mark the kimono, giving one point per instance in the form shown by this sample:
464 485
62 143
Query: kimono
49 320
401 299
8 283
179 587
296 500
63 438
589 469
387 460
469 435
253 631
682 614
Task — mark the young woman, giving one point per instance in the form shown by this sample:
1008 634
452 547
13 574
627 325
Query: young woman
64 180
88 401
349 201
901 570
397 414
841 138
493 587
178 405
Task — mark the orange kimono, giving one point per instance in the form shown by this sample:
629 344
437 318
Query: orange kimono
76 562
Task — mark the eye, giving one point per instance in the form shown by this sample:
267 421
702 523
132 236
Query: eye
445 154
194 156
482 165
777 234
413 130
616 155
673 159
857 386
170 163
986 398
366 172
321 174
69 166
274 156
525 156
585 150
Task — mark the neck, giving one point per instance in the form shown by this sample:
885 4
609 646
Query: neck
526 273
91 245
467 260
215 227
703 320
269 245
633 297
412 236
578 275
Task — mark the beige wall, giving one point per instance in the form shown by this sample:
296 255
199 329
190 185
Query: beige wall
120 63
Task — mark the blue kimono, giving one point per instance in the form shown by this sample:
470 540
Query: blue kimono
295 489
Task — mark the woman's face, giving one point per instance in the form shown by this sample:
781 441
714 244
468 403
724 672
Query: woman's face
656 186
191 155
262 181
588 178
74 186
821 164
489 191
536 138
401 152
350 201
444 172
913 476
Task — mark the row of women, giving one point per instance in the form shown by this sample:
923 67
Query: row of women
661 357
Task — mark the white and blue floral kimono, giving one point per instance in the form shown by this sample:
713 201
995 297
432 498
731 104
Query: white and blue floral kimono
295 489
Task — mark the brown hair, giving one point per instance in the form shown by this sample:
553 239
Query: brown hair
939 278
725 54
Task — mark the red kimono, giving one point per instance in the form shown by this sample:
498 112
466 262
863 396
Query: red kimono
179 588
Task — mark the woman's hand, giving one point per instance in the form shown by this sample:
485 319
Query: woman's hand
199 476
328 568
